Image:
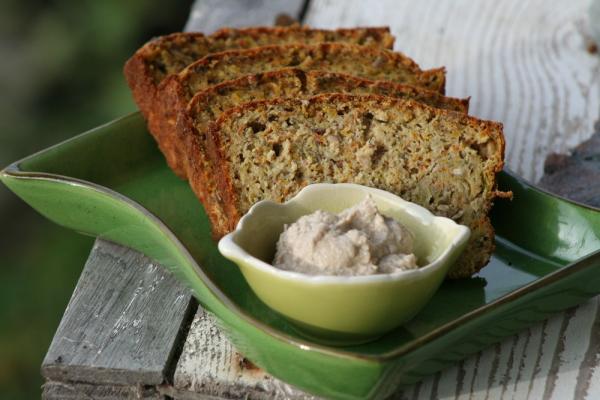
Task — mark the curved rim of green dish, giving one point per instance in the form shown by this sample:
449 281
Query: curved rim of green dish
13 171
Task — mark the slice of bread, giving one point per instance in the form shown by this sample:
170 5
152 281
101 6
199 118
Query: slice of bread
170 54
206 106
443 160
366 62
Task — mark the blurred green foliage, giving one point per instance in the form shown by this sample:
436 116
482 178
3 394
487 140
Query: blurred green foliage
60 74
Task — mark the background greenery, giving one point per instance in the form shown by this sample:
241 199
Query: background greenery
60 74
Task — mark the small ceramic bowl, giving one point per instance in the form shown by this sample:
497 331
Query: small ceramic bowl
343 309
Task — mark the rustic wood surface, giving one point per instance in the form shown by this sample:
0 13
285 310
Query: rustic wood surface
209 15
55 390
122 324
528 64
210 365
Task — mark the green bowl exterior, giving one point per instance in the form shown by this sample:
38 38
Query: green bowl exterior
368 310
553 248
347 307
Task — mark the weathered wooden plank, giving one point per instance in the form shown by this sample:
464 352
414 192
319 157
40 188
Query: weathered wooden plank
75 391
209 15
571 361
210 366
589 381
123 322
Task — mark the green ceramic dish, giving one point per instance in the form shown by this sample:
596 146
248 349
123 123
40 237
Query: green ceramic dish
113 183
342 310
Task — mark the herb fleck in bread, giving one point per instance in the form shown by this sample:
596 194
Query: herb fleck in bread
366 62
442 160
206 106
170 54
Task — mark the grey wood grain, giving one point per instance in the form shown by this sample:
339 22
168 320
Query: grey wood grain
123 322
75 391
209 15
210 366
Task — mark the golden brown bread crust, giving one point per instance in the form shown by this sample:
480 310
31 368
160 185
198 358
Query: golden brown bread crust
143 72
378 36
481 245
169 54
373 63
190 144
365 62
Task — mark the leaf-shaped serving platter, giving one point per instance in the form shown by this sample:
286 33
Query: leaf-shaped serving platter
113 183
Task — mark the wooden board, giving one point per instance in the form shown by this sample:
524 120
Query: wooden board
556 359
123 322
75 391
209 15
210 365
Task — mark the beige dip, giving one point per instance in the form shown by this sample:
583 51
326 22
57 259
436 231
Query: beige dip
358 241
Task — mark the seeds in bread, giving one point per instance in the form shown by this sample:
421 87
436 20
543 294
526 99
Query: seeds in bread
365 62
442 160
170 54
206 106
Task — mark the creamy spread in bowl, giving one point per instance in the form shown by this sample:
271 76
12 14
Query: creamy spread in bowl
357 241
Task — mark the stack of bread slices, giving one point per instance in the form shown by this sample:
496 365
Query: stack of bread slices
258 113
